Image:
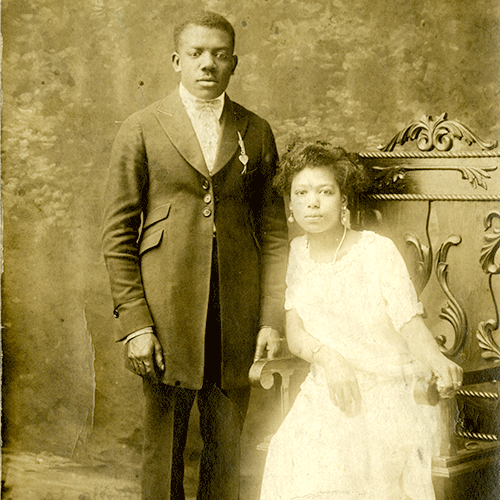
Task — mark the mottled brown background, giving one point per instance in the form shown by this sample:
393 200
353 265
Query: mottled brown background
351 71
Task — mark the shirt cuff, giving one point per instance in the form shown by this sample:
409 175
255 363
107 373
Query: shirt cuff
272 328
133 335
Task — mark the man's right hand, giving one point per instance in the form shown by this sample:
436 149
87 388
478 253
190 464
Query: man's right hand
144 352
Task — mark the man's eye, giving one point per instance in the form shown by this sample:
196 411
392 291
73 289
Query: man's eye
194 54
222 55
300 192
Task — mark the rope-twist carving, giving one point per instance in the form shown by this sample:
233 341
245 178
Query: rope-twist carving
477 435
434 197
478 394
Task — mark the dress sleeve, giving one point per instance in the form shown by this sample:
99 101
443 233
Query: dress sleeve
292 276
401 299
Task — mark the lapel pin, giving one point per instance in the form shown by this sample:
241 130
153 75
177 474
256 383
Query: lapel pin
243 156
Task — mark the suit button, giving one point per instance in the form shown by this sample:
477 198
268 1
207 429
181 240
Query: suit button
207 212
207 198
205 184
116 313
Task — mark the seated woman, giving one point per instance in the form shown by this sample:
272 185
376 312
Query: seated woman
355 430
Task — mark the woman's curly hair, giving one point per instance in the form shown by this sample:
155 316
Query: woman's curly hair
349 173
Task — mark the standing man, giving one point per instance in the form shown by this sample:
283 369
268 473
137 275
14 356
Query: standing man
195 246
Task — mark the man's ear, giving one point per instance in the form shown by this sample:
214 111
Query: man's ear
176 62
235 63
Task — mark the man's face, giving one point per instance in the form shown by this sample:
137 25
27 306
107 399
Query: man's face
205 61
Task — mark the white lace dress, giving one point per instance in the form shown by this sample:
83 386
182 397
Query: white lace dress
356 306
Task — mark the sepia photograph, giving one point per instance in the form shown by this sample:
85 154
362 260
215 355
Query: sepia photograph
249 250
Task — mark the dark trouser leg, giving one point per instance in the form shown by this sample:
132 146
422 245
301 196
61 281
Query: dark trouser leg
184 403
167 411
221 421
213 331
221 412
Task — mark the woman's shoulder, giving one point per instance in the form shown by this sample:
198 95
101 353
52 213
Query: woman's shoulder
383 249
378 239
298 251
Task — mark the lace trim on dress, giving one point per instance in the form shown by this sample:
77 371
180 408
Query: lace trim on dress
400 319
367 237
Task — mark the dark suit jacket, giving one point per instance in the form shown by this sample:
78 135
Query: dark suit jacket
161 205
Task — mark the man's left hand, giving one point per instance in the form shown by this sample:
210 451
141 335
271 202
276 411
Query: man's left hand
268 344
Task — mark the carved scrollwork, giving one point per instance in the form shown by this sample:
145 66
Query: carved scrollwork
489 250
486 329
452 312
436 133
423 267
486 342
476 176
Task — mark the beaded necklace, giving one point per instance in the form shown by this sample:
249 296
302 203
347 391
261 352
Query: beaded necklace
340 244
338 248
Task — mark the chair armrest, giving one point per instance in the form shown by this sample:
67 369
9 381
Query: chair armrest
262 371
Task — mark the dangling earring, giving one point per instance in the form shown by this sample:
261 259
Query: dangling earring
343 218
290 217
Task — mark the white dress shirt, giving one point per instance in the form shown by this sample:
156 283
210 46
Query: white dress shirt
206 122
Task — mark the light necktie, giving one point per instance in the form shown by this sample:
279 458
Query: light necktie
211 106
209 137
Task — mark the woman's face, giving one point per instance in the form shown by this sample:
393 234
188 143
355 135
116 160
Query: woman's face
316 200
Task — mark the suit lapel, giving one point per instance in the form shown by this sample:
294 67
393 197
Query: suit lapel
177 125
232 123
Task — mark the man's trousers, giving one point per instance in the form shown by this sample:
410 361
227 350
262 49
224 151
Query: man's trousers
221 420
222 413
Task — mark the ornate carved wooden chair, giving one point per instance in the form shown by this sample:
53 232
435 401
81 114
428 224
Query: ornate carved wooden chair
440 204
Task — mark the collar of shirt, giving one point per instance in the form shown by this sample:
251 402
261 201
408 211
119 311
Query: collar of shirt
189 101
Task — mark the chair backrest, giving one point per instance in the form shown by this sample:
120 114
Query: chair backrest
436 194
440 204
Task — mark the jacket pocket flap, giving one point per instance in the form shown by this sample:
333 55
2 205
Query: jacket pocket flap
150 241
157 214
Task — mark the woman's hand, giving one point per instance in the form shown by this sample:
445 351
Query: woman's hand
424 347
449 376
341 380
340 377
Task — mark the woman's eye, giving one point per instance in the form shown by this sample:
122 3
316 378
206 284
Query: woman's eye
328 192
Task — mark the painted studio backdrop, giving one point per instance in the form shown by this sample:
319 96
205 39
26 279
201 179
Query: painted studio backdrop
350 71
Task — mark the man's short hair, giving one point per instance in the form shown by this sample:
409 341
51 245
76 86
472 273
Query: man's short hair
207 19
